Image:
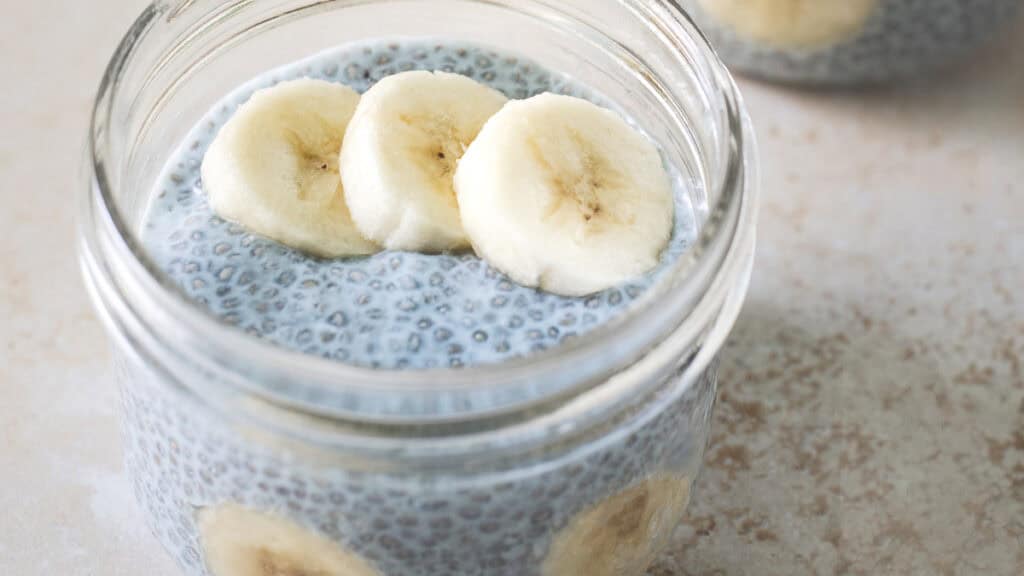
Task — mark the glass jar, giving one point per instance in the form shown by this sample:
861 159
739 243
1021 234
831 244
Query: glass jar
578 460
847 42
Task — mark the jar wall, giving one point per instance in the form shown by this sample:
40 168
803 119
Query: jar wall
184 458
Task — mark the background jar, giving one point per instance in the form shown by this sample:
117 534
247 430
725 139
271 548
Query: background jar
490 470
847 42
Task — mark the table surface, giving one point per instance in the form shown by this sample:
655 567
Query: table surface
871 412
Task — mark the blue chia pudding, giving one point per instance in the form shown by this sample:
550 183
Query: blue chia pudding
227 501
392 310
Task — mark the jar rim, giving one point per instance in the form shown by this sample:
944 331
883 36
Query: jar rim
334 389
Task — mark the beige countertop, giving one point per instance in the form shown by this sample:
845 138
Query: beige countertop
871 413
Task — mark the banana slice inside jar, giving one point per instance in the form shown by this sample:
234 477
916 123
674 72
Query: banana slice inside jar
621 535
238 541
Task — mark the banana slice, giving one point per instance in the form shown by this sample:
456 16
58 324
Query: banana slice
793 23
560 193
400 155
273 168
622 535
241 542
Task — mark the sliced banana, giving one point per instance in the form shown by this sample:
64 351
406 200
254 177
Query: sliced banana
560 193
793 23
400 154
622 535
241 542
273 168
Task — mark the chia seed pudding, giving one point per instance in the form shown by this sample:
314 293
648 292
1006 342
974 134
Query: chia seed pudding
894 39
404 311
392 310
456 522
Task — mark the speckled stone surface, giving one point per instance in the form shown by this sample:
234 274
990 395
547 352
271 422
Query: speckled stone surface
870 418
